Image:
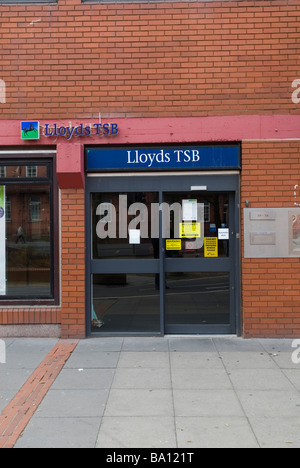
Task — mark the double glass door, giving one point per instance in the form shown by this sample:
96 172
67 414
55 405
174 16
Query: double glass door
162 256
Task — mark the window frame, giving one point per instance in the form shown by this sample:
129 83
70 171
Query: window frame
48 160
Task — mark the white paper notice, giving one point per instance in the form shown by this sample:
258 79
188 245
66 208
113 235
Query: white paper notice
134 236
223 234
189 210
2 242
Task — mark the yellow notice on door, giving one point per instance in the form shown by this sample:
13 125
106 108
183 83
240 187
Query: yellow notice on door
211 247
190 230
173 244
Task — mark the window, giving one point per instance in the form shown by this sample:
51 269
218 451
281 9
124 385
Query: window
26 231
31 171
35 209
7 209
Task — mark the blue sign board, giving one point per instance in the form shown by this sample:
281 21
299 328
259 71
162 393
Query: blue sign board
163 158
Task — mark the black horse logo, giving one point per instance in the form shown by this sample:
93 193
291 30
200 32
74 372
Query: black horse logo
30 129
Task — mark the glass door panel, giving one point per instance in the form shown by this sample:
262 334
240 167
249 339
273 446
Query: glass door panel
197 298
125 262
196 227
125 303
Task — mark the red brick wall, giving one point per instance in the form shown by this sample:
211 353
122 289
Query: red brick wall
30 315
271 287
149 60
73 263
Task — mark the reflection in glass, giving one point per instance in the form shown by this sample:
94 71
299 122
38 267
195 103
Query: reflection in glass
125 303
296 233
27 218
24 172
212 214
197 298
114 215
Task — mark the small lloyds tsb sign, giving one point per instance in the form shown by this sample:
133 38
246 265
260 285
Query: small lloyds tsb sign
31 130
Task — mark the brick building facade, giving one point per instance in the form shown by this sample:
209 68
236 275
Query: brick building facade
166 74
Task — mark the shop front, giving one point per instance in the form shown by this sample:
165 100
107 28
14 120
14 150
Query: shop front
163 240
150 227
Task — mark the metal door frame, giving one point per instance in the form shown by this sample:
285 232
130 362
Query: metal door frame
222 181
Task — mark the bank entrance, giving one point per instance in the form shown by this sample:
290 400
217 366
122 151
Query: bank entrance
163 253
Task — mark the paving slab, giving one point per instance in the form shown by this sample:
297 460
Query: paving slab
144 359
234 344
27 353
73 403
84 379
132 432
294 377
203 379
60 433
215 432
259 379
88 358
247 360
270 403
208 403
142 378
196 360
139 402
190 344
145 344
276 432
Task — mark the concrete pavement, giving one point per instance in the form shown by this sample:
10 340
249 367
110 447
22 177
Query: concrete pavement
171 392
